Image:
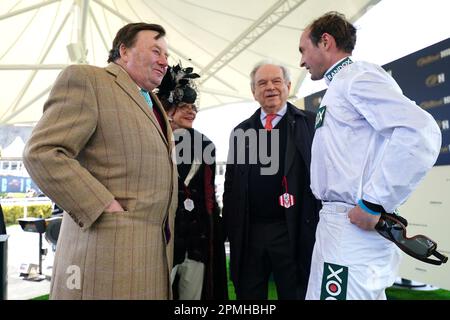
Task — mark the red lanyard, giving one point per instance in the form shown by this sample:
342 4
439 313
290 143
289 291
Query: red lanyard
186 191
284 184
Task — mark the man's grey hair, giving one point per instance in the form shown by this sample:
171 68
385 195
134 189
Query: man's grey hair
286 73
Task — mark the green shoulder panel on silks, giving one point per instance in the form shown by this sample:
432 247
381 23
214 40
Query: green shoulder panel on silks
334 282
320 117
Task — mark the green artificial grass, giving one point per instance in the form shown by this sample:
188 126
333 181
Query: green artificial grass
44 297
272 291
232 293
408 294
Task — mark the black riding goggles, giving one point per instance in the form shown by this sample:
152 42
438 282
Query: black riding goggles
393 228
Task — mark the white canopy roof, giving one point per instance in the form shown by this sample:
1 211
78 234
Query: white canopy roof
14 150
222 40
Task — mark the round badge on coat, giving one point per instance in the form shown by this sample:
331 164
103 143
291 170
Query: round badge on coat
188 204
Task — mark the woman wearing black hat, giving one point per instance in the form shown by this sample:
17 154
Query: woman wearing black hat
199 270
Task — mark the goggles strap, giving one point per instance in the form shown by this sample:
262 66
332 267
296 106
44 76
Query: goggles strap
430 261
443 258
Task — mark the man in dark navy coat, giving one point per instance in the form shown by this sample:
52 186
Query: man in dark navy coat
269 210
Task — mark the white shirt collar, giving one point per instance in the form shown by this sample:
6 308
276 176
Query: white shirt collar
280 112
277 119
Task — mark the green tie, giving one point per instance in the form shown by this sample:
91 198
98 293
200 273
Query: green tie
146 96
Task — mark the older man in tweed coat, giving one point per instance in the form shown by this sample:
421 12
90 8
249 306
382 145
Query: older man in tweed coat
103 153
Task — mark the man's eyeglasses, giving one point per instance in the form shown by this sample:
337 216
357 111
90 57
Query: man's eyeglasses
421 247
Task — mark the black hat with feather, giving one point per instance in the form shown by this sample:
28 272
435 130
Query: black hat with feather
177 86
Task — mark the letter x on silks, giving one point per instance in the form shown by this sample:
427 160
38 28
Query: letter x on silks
393 228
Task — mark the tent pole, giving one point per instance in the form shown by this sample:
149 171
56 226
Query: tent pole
24 10
265 22
115 12
33 74
82 21
91 14
4 119
32 66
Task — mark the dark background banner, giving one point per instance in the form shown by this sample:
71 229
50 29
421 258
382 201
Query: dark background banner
424 77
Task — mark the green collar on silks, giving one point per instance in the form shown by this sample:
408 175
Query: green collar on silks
338 67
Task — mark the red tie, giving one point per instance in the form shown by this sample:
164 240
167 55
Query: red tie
269 119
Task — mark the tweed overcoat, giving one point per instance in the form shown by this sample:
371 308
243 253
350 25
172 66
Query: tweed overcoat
98 141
